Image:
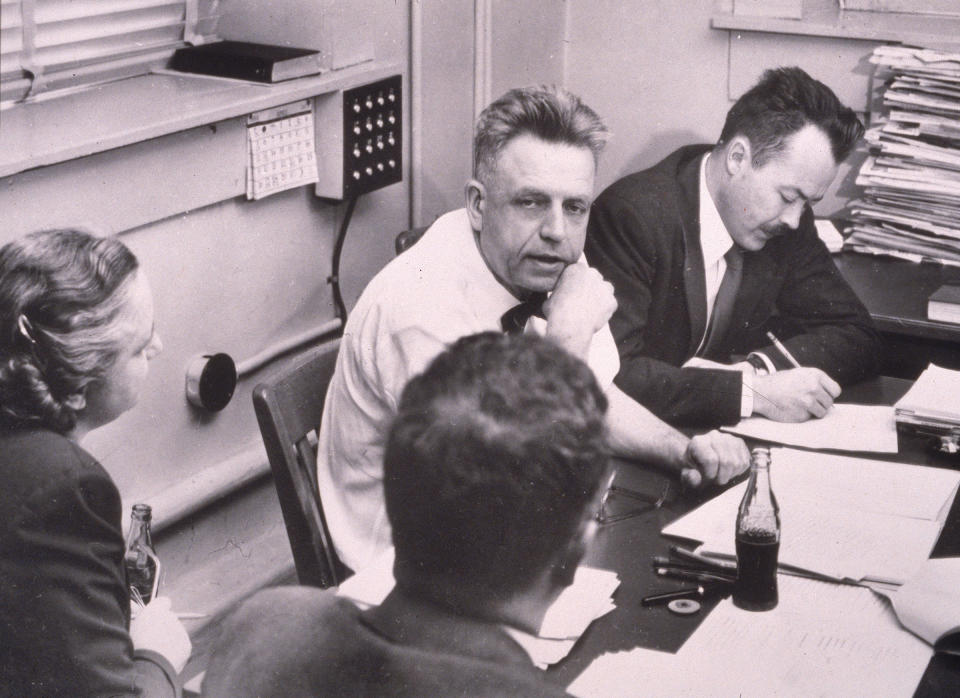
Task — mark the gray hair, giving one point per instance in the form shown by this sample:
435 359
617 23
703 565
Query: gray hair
548 112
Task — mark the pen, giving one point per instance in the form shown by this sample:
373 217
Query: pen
663 561
783 350
720 565
690 576
190 616
699 591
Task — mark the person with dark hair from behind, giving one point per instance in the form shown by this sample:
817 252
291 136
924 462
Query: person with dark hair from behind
76 335
493 473
715 246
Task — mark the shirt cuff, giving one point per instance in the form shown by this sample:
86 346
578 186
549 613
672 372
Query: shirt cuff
746 395
764 359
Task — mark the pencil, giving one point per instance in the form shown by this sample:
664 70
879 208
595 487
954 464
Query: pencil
783 350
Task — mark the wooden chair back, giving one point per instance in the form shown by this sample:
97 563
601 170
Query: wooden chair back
289 407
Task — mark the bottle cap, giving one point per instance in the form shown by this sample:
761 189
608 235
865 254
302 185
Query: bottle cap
684 607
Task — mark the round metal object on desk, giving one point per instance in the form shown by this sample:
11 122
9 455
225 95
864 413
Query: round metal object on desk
211 380
684 607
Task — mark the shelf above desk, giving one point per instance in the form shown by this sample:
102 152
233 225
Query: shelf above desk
825 18
104 117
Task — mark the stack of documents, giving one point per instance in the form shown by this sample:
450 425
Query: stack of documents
933 401
588 598
911 202
821 639
842 518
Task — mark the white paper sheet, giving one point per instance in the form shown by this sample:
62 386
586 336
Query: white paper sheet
928 604
845 427
823 639
936 394
588 598
846 518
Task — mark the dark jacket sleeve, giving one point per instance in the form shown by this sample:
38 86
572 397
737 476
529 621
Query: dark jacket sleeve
631 249
818 316
65 612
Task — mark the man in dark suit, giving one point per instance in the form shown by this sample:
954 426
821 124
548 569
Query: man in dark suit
494 468
714 247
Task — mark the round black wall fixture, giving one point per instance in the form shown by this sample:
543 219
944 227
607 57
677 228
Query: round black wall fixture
211 380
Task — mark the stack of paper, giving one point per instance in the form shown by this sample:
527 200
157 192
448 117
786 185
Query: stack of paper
588 598
822 639
933 400
842 518
911 202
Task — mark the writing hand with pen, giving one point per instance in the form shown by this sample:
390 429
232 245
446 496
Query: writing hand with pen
796 394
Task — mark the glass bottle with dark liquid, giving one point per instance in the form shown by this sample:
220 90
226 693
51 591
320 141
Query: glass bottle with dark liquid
140 558
758 539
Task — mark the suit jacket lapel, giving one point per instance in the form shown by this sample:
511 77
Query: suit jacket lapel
688 179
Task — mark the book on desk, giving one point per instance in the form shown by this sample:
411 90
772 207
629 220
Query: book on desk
244 60
944 304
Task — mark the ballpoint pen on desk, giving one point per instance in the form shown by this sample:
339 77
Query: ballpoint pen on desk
694 576
698 592
722 566
664 561
783 350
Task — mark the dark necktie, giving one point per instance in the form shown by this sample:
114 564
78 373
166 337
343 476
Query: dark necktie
726 295
514 320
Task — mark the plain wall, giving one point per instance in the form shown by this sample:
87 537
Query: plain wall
662 78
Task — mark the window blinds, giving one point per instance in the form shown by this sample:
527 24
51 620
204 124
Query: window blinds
52 44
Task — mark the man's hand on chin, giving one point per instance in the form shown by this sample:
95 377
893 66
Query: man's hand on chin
580 305
795 395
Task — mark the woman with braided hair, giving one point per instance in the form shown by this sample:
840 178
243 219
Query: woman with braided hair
76 336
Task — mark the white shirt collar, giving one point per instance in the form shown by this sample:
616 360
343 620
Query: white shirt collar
714 238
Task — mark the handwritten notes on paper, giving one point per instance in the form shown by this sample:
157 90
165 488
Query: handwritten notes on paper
845 427
822 639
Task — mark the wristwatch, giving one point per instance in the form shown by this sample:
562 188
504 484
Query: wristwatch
759 368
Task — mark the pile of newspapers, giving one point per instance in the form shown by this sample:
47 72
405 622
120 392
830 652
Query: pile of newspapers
910 206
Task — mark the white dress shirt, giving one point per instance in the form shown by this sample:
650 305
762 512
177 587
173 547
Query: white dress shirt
715 242
431 295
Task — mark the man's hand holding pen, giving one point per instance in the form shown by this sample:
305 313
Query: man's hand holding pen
794 395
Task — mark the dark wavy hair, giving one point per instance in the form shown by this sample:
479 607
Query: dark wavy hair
491 464
60 293
784 101
548 112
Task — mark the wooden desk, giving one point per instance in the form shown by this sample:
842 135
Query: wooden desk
895 292
628 545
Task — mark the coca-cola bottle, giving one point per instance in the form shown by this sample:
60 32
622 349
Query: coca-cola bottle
758 539
140 558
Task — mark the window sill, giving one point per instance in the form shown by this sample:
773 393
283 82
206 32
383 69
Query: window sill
112 115
825 18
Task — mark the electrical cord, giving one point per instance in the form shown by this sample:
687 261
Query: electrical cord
334 278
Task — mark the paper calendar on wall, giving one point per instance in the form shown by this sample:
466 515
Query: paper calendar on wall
281 150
